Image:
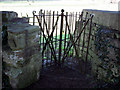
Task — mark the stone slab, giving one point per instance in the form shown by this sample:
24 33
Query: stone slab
109 19
8 15
22 36
21 77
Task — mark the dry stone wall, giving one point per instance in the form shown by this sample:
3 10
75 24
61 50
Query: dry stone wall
21 54
104 49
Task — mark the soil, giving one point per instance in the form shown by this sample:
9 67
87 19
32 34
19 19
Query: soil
62 77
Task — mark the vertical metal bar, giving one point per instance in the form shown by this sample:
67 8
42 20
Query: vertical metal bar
51 47
49 21
86 58
72 21
73 31
80 24
71 38
75 23
56 38
34 17
27 17
75 26
69 24
43 39
49 39
65 34
61 28
40 16
76 39
47 30
84 34
52 30
70 28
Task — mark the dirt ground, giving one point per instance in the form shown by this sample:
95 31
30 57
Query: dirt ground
65 76
62 77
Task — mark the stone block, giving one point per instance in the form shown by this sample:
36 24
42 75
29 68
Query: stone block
8 15
102 74
106 18
22 36
21 76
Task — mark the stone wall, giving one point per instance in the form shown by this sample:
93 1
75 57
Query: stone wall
21 54
104 49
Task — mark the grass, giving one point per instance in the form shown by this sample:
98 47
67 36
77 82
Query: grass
57 46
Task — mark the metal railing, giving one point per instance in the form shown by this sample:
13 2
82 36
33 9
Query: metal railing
61 34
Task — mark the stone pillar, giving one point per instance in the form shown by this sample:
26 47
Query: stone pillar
21 54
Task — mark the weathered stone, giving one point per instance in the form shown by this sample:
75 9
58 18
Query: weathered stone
8 15
106 18
19 20
115 42
21 54
20 57
20 36
104 46
21 77
102 74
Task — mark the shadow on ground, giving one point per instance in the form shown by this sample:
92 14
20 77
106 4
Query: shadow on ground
62 77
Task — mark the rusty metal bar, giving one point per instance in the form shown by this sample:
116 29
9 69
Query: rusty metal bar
69 34
71 38
68 43
89 38
34 17
56 44
49 40
49 37
70 27
40 12
80 25
72 31
65 34
75 26
43 37
84 34
53 52
56 34
60 42
76 39
47 30
49 22
86 58
72 21
80 19
52 30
